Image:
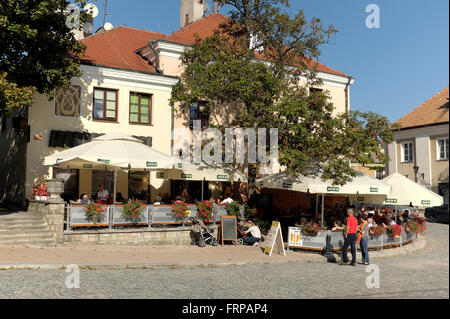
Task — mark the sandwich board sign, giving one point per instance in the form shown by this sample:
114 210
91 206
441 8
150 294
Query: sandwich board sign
274 240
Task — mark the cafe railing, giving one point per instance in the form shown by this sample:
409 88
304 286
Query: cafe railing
152 215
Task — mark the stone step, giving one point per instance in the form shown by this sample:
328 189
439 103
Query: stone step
27 242
23 223
28 231
23 235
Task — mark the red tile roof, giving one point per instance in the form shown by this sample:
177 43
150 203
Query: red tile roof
433 111
115 48
206 26
118 47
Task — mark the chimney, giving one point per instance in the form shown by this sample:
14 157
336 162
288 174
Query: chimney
190 11
215 7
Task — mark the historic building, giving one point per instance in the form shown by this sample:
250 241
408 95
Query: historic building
421 148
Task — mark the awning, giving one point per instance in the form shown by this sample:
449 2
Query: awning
405 191
361 184
113 151
198 172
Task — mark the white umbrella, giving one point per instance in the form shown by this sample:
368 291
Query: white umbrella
360 184
405 191
111 151
203 172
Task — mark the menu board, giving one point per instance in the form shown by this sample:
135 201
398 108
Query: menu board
274 239
295 238
228 229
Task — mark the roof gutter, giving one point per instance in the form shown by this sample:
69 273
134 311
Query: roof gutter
150 44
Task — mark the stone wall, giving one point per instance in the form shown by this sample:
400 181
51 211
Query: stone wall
53 213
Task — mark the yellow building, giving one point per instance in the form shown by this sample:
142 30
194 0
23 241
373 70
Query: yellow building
420 150
125 87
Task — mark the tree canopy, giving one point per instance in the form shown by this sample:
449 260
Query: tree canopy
38 51
262 60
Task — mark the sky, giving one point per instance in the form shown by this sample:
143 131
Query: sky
396 67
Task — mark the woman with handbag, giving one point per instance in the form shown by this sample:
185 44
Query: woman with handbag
363 239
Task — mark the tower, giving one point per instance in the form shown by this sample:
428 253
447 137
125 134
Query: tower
191 10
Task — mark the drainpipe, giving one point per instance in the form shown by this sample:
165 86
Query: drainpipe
347 94
347 103
150 44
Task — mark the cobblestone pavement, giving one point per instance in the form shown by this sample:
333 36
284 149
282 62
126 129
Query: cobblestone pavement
420 275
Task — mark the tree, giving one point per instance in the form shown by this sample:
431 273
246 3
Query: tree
38 51
224 70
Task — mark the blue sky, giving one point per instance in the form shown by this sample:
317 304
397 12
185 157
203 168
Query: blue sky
397 67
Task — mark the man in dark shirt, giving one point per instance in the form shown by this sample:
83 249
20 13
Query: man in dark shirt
350 238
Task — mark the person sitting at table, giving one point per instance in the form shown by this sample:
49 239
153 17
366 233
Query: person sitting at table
110 199
253 234
84 199
388 222
337 226
102 195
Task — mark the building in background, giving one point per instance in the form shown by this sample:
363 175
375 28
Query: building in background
420 150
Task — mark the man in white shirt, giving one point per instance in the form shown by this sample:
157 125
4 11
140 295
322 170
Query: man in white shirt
227 200
253 234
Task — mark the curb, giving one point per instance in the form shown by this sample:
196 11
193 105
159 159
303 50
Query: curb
391 252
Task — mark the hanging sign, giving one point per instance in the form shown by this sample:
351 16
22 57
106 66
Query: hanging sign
287 185
390 200
425 202
295 237
332 189
100 160
186 175
222 177
360 199
151 164
87 165
374 189
274 240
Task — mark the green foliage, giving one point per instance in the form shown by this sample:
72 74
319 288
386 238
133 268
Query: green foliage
250 93
233 209
13 96
94 211
37 49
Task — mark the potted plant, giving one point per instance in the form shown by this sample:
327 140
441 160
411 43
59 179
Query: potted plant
250 213
395 231
310 229
233 209
416 225
205 210
377 230
40 191
133 209
179 210
94 211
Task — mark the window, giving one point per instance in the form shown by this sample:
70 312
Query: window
105 104
442 148
67 101
140 108
198 111
407 152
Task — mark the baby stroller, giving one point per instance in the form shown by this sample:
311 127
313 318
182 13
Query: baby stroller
202 234
241 234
